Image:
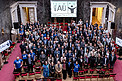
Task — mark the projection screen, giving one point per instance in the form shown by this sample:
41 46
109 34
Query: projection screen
63 8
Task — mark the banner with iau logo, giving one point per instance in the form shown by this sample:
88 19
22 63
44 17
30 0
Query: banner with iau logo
5 45
64 8
119 41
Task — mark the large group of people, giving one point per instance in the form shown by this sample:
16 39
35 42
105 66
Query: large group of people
59 52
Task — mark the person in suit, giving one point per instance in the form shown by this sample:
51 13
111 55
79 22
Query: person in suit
105 61
80 61
45 41
69 68
22 47
57 52
99 60
57 58
27 25
30 63
52 69
86 61
45 50
58 68
63 58
92 61
74 58
112 59
64 69
50 59
42 58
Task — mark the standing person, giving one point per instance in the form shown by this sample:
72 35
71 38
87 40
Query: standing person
33 55
24 58
21 33
52 69
76 69
18 65
112 59
69 68
58 68
30 63
80 22
92 61
105 61
22 46
64 70
45 68
80 61
42 58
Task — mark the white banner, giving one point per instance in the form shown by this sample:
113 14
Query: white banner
64 8
5 45
119 41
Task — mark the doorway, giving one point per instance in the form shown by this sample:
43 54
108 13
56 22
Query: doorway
28 14
97 15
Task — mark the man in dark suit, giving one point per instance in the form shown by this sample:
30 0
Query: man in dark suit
80 61
92 61
22 47
64 71
27 25
45 50
70 44
45 41
69 68
112 59
105 61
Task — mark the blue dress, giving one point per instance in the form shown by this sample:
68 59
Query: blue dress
46 70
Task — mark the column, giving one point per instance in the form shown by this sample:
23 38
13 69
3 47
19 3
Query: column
91 16
35 9
109 20
21 12
104 14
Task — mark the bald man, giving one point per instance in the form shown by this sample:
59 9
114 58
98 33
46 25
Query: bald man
17 65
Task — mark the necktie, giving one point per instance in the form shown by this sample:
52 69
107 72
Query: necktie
105 60
64 66
58 67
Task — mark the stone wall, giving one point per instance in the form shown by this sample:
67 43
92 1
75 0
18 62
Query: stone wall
5 20
118 21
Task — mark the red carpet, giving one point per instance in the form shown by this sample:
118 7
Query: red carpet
118 70
6 74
